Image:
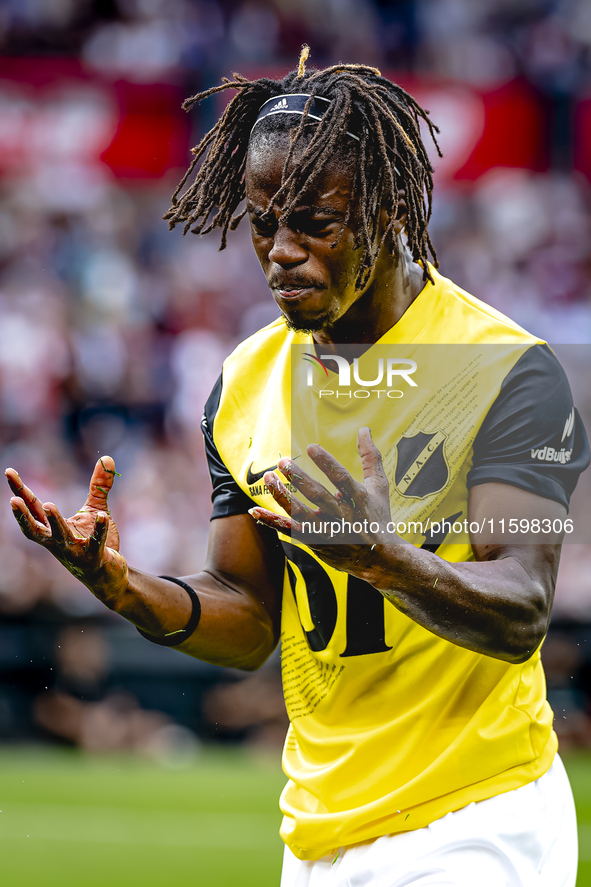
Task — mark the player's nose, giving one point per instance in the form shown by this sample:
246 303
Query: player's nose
287 249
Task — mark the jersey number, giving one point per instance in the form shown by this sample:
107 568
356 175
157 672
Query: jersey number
365 607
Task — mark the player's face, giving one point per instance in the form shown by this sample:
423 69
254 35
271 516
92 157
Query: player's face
312 281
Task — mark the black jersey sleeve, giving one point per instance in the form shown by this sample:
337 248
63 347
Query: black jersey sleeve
532 436
227 497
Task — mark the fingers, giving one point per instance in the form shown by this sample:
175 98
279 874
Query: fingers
310 488
29 498
31 528
57 532
371 460
60 531
274 521
335 472
283 497
100 484
95 545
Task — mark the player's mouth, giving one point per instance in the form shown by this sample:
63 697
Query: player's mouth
296 291
293 295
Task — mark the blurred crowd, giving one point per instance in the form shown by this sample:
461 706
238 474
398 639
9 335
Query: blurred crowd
113 329
481 43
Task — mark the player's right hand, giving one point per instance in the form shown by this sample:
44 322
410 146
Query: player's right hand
87 543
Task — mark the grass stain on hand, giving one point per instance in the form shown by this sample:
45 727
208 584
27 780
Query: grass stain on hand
109 470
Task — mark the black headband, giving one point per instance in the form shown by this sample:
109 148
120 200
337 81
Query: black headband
294 103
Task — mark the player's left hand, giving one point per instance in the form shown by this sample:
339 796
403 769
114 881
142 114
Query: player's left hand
365 504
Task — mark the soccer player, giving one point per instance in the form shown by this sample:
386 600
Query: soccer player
421 748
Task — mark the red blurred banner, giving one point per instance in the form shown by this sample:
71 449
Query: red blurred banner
55 109
152 134
481 129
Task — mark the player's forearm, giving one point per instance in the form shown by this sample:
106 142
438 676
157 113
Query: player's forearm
233 630
493 607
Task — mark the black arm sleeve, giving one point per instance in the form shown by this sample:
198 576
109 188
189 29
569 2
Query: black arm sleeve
227 497
532 436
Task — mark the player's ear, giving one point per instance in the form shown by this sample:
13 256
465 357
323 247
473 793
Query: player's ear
400 222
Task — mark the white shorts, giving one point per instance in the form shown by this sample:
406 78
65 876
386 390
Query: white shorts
523 838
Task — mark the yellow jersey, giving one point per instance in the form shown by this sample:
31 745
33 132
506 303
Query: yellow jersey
393 727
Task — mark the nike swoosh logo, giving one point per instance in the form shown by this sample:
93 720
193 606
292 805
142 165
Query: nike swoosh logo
253 478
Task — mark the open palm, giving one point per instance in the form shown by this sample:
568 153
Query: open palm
87 543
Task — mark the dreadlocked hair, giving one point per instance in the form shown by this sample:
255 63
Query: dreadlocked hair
390 155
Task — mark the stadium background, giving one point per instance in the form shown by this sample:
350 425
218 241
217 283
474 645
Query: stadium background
126 763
